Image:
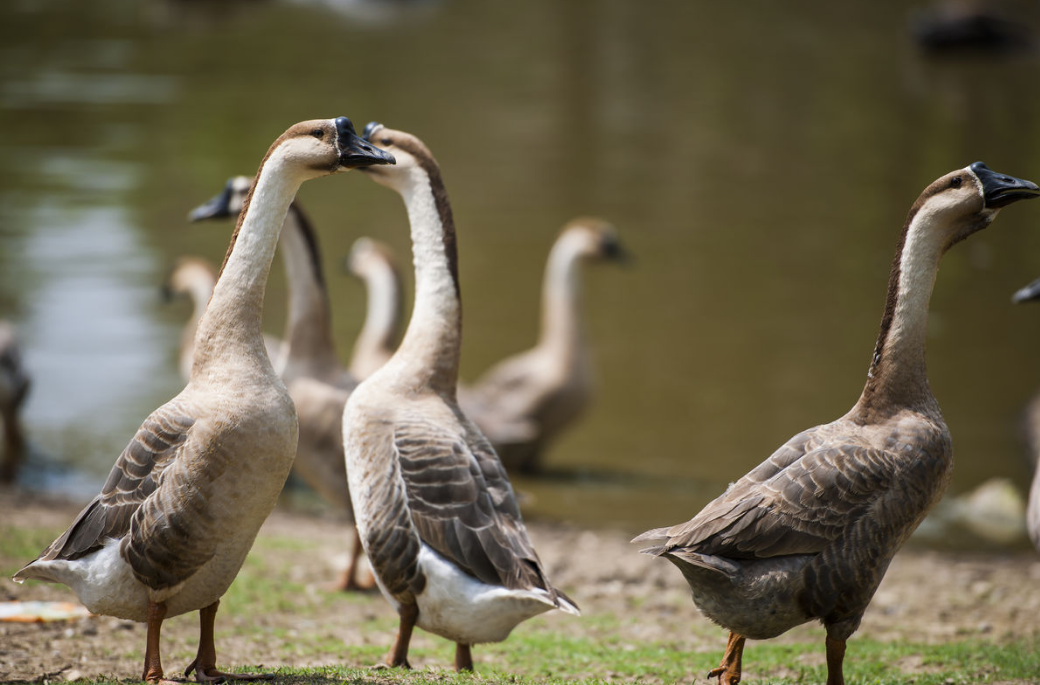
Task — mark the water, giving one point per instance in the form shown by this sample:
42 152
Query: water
758 158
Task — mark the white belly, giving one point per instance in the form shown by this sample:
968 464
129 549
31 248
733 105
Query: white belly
460 608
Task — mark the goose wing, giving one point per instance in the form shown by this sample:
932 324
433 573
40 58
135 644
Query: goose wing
134 480
463 505
796 502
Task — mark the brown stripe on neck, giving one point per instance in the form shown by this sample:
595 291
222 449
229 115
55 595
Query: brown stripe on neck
311 240
440 197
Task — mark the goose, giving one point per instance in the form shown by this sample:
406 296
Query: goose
1030 293
373 262
308 365
437 514
185 499
809 533
14 387
524 401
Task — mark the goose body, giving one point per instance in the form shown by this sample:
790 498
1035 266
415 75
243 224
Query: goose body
433 503
185 499
1032 430
809 533
195 278
373 263
525 401
14 387
308 365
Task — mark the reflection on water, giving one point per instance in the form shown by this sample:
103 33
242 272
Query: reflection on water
760 171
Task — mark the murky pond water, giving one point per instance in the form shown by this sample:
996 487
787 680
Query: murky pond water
757 157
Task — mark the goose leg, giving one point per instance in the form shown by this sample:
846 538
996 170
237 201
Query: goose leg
348 581
728 671
398 656
205 662
153 672
463 657
835 659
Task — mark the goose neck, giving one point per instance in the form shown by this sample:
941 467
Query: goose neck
309 325
431 345
230 327
562 329
898 374
375 343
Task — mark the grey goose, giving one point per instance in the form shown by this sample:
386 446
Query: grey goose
436 511
14 388
1031 293
185 499
809 533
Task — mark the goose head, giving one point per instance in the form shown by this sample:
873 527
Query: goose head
594 239
415 162
967 200
189 275
367 255
311 148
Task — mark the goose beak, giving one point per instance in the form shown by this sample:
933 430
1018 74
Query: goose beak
616 252
1028 293
356 152
217 208
1000 190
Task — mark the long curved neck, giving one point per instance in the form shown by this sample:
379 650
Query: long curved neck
309 325
431 346
375 343
230 328
562 328
898 376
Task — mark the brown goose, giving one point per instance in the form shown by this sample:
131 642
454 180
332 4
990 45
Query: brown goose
308 365
809 533
14 387
185 499
433 503
374 264
524 401
1032 425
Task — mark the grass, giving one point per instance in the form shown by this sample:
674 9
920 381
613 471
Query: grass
268 611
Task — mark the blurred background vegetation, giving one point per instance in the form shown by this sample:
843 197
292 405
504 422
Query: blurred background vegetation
758 158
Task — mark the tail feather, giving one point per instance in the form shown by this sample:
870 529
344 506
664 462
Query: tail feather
652 536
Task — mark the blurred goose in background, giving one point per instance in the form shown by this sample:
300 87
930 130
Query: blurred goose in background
373 262
809 533
434 505
1032 429
308 365
185 499
194 278
526 400
14 387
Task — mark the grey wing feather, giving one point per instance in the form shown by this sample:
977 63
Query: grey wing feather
463 505
132 480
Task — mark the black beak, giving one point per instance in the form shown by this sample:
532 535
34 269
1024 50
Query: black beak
1000 190
217 208
616 252
354 151
370 128
1028 293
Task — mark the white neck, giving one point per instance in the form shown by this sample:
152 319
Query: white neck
310 349
431 345
898 374
375 343
561 298
230 328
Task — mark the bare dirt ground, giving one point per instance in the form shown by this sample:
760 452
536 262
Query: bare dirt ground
927 596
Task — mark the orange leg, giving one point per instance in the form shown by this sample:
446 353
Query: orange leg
728 671
463 657
153 672
205 663
835 659
349 581
398 656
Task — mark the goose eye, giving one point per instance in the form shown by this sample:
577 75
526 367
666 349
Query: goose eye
318 133
385 141
955 182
